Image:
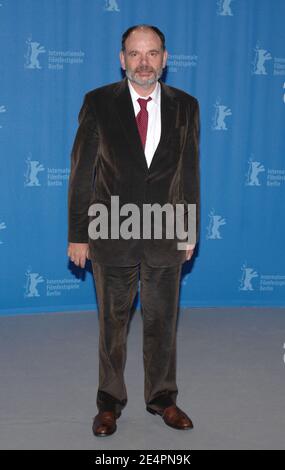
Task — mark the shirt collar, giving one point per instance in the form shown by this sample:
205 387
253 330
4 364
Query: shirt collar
154 95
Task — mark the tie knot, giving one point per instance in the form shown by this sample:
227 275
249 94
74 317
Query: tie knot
142 102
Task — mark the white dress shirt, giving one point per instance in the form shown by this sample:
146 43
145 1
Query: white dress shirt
154 119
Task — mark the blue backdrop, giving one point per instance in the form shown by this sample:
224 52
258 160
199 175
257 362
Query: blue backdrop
230 54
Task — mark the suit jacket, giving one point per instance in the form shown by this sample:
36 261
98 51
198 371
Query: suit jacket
108 159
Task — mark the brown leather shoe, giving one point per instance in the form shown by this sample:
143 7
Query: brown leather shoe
104 423
174 417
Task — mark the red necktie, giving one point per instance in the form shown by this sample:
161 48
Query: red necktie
142 119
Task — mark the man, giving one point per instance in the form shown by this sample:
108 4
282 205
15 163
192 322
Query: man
137 139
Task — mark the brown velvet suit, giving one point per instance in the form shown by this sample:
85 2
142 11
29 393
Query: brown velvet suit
108 159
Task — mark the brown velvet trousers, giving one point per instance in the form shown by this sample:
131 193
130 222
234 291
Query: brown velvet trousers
116 288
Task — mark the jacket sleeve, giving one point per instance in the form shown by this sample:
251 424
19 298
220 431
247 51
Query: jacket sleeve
190 165
82 172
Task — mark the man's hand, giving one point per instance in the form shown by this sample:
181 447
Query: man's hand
78 252
189 251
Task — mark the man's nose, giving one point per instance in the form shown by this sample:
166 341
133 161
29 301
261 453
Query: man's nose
144 60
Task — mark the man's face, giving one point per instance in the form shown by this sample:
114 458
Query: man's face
143 59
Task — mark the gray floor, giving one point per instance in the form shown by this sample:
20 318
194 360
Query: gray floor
231 378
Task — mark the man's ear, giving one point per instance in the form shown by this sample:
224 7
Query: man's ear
165 56
122 60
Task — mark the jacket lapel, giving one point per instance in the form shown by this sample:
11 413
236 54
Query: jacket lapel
168 107
125 110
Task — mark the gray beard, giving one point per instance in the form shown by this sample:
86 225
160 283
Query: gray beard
144 83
